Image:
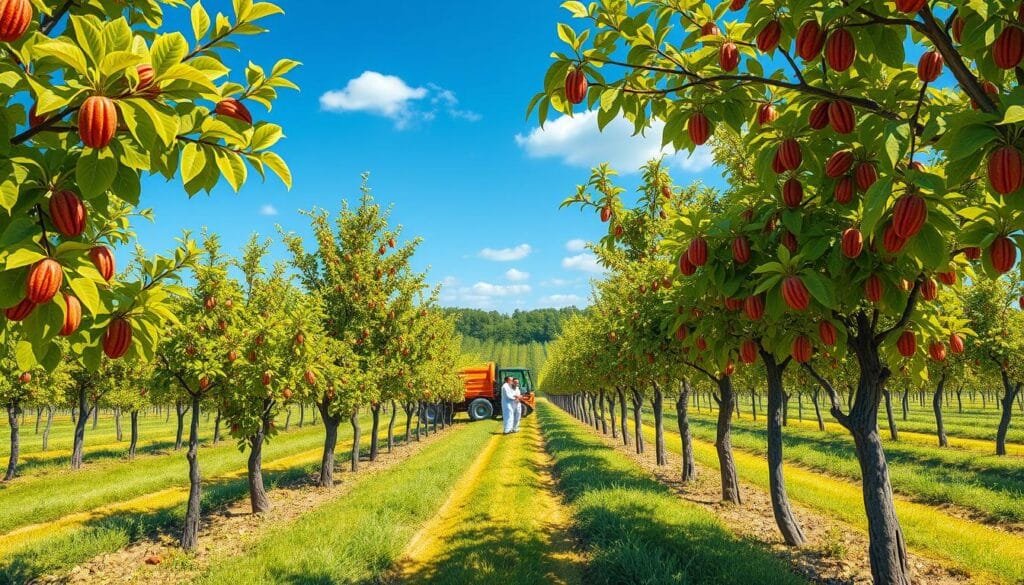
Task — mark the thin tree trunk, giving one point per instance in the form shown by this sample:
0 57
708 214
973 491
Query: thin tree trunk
611 415
817 410
83 417
374 429
893 431
356 438
13 411
95 417
39 417
723 441
117 424
689 467
302 413
288 419
623 416
937 407
408 407
134 434
1011 392
638 428
46 429
419 418
331 423
391 427
783 512
906 403
959 401
753 404
190 535
600 402
180 410
216 428
657 405
257 491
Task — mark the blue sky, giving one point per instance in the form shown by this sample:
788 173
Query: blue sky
431 101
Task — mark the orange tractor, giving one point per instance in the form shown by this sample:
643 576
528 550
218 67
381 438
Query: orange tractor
483 390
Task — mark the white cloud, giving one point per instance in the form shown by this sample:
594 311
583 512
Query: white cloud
500 290
391 97
506 254
516 275
268 210
556 283
561 300
583 262
578 142
576 245
486 295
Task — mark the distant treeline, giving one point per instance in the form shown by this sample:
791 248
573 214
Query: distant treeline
523 327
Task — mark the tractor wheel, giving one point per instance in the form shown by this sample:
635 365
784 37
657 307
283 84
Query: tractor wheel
480 409
430 414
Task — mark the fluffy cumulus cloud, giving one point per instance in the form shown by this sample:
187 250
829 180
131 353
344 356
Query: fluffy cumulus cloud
268 210
484 295
576 245
391 97
578 142
515 275
506 254
585 262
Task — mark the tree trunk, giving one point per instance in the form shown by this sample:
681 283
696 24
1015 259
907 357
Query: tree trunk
611 415
13 411
408 407
95 417
623 416
753 404
785 408
1011 392
893 431
723 441
331 423
783 512
46 429
683 421
190 535
638 427
419 418
657 405
600 402
257 491
817 410
134 434
83 417
167 416
39 417
374 429
288 419
180 410
906 403
117 424
356 438
391 427
302 413
216 428
937 408
959 401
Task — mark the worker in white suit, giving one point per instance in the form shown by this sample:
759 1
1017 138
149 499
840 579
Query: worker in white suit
510 411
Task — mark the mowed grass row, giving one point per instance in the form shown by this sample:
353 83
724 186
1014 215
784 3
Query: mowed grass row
987 553
636 530
357 538
990 486
505 525
67 541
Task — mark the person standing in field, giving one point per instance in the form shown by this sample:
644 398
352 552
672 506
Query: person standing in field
518 408
510 405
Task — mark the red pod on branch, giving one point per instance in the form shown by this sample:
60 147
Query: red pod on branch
947 277
769 37
741 250
72 315
117 338
1005 170
841 117
792 192
44 280
790 155
753 306
697 252
1008 48
843 191
891 241
873 288
97 121
795 293
840 50
909 215
956 343
728 57
809 40
802 349
20 311
972 253
67 212
699 128
937 351
15 17
929 289
685 266
606 214
839 163
232 108
103 259
910 6
906 344
818 118
929 66
853 243
576 86
827 333
866 175
748 352
1003 254
766 114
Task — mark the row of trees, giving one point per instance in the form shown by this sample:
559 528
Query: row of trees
870 196
533 326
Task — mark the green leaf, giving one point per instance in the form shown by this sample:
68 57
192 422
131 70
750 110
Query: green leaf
874 204
930 248
819 288
168 50
67 53
95 171
232 167
277 164
200 21
23 256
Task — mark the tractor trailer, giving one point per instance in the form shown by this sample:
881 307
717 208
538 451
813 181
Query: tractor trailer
482 386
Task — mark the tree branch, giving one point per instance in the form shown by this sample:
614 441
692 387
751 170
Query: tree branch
908 312
51 21
833 396
968 82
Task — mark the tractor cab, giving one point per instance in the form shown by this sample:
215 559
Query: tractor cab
521 374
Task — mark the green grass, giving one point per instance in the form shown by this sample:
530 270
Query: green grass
357 538
637 530
986 484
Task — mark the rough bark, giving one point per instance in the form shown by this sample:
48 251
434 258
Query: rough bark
657 406
331 423
723 441
638 428
13 412
600 402
134 442
409 407
46 429
611 415
1010 392
906 403
190 535
623 416
257 491
937 408
83 417
817 410
95 417
179 409
374 430
356 438
117 424
689 471
894 433
288 419
391 427
781 508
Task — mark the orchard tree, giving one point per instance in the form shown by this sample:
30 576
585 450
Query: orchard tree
127 388
95 95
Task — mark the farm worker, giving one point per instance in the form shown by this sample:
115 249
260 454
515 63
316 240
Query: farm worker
509 405
518 405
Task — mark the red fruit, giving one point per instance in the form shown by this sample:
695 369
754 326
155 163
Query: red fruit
754 307
733 304
766 114
818 118
204 383
619 230
97 121
741 250
682 333
67 213
769 37
1003 254
853 243
840 50
906 344
956 343
795 293
910 6
210 303
972 252
266 378
937 350
748 352
948 277
710 29
891 241
699 128
310 377
34 119
990 89
802 349
702 343
300 338
873 288
737 4
576 86
1005 170
929 66
698 251
790 155
839 163
789 241
929 289
103 259
728 57
25 377
146 76
232 355
44 280
809 40
866 175
792 192
685 266
777 167
1008 48
843 191
909 215
117 338
72 315
233 108
15 16
842 117
606 214
958 28
20 311
730 368
287 394
827 333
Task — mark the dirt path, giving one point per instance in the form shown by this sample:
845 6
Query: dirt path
503 523
229 531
